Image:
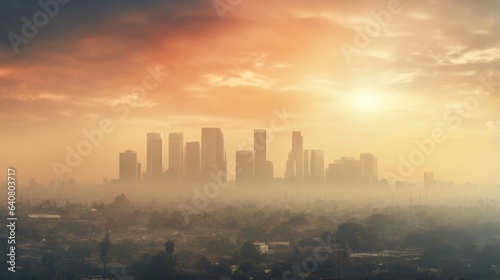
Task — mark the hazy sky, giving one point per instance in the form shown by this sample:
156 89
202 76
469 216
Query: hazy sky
350 93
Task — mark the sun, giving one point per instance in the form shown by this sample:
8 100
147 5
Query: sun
366 103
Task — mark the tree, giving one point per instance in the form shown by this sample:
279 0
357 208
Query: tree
105 246
170 247
350 233
160 267
250 251
249 267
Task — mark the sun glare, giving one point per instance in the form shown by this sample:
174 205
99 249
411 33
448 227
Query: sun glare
366 103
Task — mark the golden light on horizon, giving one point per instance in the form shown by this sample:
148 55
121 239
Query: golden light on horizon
234 73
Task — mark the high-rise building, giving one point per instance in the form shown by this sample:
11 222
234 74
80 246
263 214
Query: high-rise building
305 158
295 156
176 156
213 151
351 171
334 174
317 166
260 145
192 160
429 180
128 166
154 156
263 169
297 150
370 172
244 166
139 172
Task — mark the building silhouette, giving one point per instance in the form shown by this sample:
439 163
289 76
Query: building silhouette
429 180
351 171
154 156
192 160
175 157
317 166
213 153
370 169
244 168
263 169
128 167
294 165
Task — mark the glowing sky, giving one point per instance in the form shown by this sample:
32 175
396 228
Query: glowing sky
234 72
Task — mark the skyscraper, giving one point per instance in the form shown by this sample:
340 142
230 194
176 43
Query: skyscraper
370 172
305 158
244 167
334 174
154 156
295 156
213 151
192 160
263 169
139 171
317 166
351 171
260 145
128 166
176 156
429 180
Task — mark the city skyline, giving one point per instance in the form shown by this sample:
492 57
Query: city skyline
381 76
346 171
232 139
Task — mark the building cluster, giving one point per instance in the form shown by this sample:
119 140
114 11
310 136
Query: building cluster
194 161
187 162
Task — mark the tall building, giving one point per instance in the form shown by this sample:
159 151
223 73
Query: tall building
244 167
192 160
139 172
213 151
306 159
260 145
370 171
128 166
317 166
351 171
154 156
295 156
263 169
333 175
176 156
429 180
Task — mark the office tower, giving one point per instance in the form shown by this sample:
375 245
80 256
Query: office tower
175 156
139 172
244 167
128 166
290 168
192 160
154 156
269 170
297 150
260 145
295 156
370 172
317 166
429 179
213 152
305 158
351 171
334 174
263 169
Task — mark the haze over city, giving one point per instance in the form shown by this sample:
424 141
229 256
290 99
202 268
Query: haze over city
235 68
249 139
